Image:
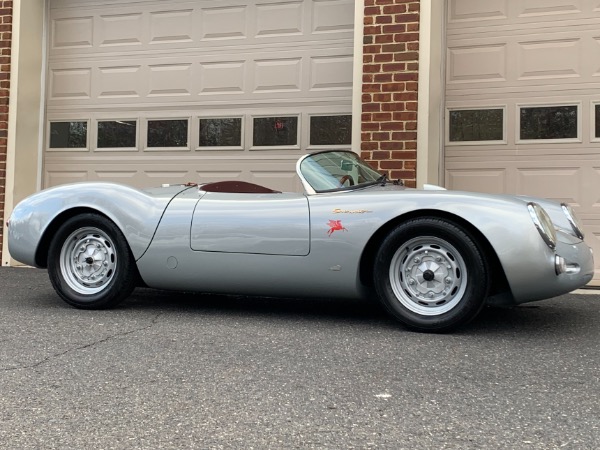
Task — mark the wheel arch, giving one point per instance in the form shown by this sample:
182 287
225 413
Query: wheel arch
497 274
41 253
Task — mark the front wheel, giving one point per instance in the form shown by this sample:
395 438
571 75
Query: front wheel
90 264
431 275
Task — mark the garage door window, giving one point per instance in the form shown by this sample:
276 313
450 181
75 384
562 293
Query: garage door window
275 131
331 130
476 125
117 134
597 121
548 122
221 132
167 133
68 135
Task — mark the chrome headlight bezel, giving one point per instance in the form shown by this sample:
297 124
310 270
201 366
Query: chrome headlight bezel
574 221
543 223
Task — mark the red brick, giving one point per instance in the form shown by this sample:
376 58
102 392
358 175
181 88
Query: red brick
392 87
395 106
381 136
394 67
372 10
392 48
393 9
383 57
392 126
371 88
382 98
383 19
406 18
391 145
382 117
370 126
371 107
383 77
404 155
369 146
380 155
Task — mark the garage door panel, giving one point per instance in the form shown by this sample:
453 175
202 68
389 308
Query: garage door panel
86 28
533 8
476 10
55 175
471 178
558 183
305 73
520 61
528 13
478 62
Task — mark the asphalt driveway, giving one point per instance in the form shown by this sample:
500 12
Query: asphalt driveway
171 370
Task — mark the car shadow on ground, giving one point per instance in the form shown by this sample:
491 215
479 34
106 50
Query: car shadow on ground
557 316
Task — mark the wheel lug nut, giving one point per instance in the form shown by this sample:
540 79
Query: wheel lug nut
417 260
411 281
448 280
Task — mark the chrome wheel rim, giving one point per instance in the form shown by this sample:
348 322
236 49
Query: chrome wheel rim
88 260
428 276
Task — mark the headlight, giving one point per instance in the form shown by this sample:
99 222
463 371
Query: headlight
543 223
573 220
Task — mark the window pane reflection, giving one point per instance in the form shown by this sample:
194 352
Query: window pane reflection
68 134
168 133
275 131
549 122
116 134
225 132
470 125
330 130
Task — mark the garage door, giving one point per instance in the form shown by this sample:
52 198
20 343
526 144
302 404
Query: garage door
154 92
523 102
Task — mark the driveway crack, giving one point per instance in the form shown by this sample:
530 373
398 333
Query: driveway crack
82 347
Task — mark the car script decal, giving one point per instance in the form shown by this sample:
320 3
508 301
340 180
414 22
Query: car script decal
335 225
351 211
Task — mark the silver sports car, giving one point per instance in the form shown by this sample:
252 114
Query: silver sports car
432 257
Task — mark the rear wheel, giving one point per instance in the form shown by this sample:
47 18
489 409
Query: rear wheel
90 264
431 275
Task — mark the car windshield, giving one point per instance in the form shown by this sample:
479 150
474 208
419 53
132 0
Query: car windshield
337 170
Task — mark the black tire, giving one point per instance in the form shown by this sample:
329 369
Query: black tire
431 275
90 264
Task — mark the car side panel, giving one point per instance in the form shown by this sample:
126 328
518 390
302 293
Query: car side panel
170 263
270 224
341 225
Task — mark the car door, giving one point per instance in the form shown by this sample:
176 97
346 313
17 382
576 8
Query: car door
268 224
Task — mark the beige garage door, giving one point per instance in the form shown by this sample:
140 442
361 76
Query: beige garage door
523 102
153 92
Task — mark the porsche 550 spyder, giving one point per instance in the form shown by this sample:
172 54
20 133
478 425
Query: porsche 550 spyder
432 257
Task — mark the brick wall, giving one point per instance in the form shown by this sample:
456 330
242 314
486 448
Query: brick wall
5 42
389 91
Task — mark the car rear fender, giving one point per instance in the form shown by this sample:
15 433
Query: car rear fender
35 219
